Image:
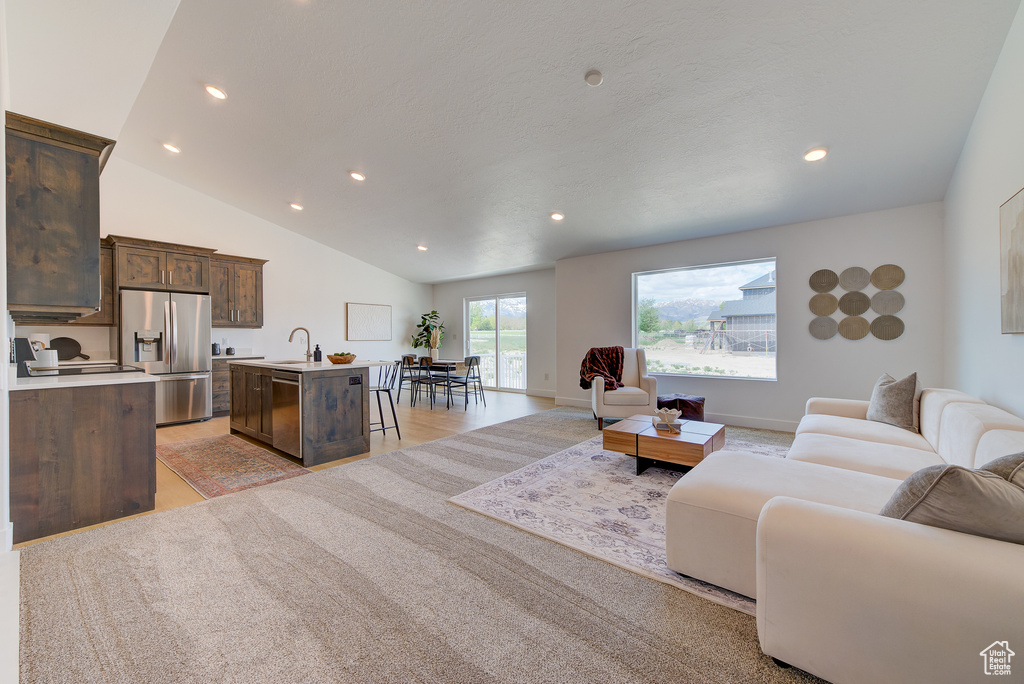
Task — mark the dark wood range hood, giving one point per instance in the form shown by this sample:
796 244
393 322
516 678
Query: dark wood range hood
53 220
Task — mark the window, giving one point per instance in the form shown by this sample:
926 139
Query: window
717 320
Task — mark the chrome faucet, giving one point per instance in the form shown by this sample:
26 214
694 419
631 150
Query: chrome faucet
309 354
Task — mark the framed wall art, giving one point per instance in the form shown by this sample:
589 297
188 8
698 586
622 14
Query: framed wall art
1011 263
368 322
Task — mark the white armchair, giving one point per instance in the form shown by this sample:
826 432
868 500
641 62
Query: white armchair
639 393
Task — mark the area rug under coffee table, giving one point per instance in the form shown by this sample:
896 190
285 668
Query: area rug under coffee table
214 466
592 500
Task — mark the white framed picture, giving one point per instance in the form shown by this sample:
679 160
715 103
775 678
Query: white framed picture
368 322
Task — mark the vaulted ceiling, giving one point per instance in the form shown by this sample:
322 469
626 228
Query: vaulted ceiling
472 121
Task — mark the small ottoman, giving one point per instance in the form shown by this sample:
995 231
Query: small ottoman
691 406
711 514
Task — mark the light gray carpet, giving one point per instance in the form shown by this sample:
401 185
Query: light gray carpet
363 573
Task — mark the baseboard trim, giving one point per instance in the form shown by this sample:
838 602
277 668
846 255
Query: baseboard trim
9 537
549 394
10 571
572 401
751 422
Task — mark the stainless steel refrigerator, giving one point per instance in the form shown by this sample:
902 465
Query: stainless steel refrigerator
167 334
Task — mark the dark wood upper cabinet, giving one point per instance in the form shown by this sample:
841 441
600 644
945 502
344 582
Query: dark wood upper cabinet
53 218
236 291
107 315
152 265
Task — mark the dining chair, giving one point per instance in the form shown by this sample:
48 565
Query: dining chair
428 379
386 377
408 374
470 382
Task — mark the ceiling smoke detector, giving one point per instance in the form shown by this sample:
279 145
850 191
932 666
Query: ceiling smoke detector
594 78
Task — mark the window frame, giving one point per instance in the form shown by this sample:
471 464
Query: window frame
741 262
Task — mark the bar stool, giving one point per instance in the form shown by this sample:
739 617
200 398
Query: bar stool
386 377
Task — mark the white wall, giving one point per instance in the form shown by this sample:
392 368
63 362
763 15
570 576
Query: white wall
304 282
539 287
595 310
979 359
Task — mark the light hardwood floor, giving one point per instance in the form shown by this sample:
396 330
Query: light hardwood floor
418 424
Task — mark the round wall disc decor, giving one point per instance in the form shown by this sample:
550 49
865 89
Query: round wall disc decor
887 302
854 278
823 280
887 277
823 327
887 327
854 327
823 304
854 303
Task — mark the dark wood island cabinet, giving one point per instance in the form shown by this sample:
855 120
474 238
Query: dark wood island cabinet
316 412
81 455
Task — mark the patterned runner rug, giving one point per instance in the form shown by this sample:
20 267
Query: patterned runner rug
214 466
592 500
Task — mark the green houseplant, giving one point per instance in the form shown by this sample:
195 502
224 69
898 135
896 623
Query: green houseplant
430 333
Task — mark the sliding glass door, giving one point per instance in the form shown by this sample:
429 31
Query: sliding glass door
496 332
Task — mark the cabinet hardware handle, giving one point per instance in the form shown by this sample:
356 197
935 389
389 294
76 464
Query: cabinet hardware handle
170 277
238 315
161 277
232 315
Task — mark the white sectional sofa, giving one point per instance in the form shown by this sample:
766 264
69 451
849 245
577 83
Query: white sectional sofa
842 592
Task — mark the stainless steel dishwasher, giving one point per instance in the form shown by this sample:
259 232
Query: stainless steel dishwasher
287 425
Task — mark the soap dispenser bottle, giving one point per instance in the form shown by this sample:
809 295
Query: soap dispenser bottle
317 354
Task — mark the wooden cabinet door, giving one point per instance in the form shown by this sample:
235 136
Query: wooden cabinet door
141 269
107 314
188 272
253 405
266 428
248 295
222 278
239 395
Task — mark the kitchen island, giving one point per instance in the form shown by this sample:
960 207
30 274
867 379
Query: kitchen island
83 450
315 411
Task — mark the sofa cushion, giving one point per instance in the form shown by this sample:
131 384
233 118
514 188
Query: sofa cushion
963 426
711 513
1009 467
887 460
960 499
933 402
627 396
867 430
996 443
892 401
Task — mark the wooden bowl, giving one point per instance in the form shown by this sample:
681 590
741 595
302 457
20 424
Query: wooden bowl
344 358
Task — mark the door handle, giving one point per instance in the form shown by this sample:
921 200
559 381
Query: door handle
167 333
174 333
174 378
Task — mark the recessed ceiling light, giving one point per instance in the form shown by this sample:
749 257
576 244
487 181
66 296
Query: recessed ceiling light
817 154
356 175
557 216
421 248
593 78
171 148
296 207
216 92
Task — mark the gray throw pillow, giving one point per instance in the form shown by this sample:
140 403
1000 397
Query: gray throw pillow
1010 468
954 498
892 401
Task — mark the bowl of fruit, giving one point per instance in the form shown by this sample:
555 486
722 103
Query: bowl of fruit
342 357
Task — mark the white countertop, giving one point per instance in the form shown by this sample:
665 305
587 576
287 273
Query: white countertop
56 381
305 367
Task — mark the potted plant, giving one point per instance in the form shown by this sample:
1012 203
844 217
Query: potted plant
430 334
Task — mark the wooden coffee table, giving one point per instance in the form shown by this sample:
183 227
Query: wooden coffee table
638 437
